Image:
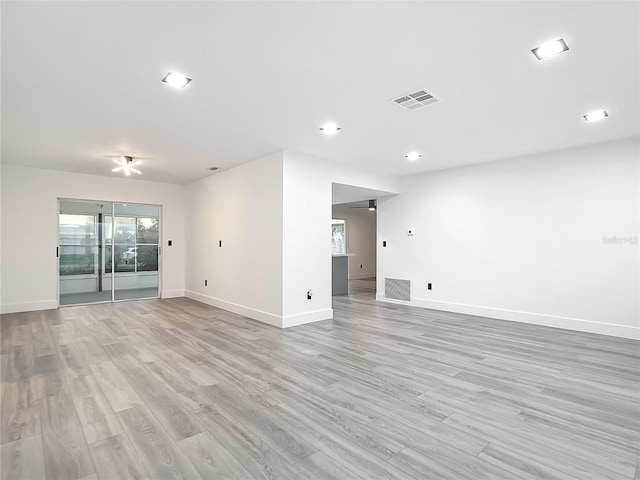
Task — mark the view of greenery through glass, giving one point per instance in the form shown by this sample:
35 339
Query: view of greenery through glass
136 244
147 245
78 244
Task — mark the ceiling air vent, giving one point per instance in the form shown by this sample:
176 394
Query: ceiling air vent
419 99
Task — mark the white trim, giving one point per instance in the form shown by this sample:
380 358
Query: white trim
172 293
29 306
307 317
381 298
259 315
567 323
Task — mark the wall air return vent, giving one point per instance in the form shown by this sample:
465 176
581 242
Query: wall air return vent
414 100
397 289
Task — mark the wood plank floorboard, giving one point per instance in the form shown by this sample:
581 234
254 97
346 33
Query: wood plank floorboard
22 459
115 458
96 416
210 458
66 453
173 388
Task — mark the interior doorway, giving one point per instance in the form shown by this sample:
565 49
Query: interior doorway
107 251
354 227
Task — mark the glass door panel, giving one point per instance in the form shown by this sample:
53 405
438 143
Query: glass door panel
135 251
80 252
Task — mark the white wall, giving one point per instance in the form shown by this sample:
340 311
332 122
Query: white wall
522 239
274 217
306 242
361 239
307 231
243 208
29 220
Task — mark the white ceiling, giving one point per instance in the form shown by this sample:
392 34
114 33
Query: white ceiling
83 80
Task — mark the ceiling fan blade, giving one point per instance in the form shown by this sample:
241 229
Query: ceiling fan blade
117 160
127 172
117 169
135 171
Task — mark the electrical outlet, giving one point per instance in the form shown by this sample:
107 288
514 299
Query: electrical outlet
169 243
309 294
206 282
384 243
428 286
220 243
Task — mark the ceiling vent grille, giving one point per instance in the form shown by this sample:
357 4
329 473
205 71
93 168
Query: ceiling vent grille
415 100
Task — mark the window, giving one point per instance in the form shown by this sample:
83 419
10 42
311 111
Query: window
136 244
338 236
78 244
147 245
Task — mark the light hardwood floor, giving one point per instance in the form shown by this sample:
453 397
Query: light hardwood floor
177 389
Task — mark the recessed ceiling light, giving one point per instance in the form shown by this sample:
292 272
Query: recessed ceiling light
176 80
595 115
549 49
413 156
330 128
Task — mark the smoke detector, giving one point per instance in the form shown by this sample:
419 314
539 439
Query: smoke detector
415 100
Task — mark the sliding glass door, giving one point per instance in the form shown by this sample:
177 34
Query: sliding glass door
135 251
107 251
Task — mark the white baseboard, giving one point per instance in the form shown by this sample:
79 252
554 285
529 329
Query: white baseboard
307 317
580 325
172 293
265 317
359 276
29 306
380 298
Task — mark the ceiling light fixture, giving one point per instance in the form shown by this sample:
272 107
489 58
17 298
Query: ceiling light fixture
330 128
126 164
595 115
413 156
549 49
372 205
176 80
